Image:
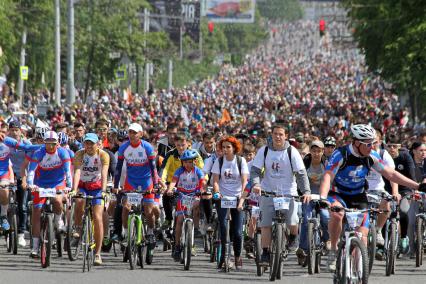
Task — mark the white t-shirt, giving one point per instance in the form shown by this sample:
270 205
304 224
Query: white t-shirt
230 180
278 176
374 178
208 166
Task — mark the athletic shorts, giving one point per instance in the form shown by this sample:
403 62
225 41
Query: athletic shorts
267 212
94 193
38 201
359 201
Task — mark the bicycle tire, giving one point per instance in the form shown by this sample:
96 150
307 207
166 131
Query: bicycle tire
141 254
73 245
318 263
311 257
46 240
188 244
390 252
419 240
339 276
283 245
357 243
372 245
131 242
13 233
85 242
275 251
259 268
212 251
29 222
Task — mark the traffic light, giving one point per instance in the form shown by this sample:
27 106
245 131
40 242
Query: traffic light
322 27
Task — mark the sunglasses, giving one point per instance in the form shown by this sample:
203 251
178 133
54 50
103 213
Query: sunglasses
102 129
369 145
393 145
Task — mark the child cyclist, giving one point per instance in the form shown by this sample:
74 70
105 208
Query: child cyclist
189 181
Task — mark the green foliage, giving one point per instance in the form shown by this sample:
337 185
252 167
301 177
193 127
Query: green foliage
392 34
289 10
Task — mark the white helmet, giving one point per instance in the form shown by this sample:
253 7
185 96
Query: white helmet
363 132
50 135
40 131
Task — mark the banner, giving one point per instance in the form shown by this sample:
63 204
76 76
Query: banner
230 11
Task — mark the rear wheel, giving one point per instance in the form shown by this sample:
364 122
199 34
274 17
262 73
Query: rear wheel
73 245
419 241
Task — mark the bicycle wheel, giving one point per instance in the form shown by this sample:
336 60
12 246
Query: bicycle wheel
90 255
358 262
59 246
132 236
339 276
188 244
85 242
390 248
275 251
73 244
46 237
13 233
212 251
280 259
372 245
259 268
311 258
419 241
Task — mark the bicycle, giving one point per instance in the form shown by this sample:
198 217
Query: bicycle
228 202
213 237
352 256
11 236
315 244
392 235
72 244
88 244
46 223
420 237
135 230
187 236
279 250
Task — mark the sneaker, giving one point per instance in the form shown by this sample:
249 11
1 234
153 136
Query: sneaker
98 260
193 251
265 258
238 263
328 245
405 245
293 243
301 256
21 240
4 223
380 240
176 253
331 260
34 253
209 228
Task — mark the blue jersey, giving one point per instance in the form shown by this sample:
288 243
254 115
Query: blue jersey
7 148
140 161
51 170
350 170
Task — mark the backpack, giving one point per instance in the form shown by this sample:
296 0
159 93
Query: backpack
344 152
265 153
239 160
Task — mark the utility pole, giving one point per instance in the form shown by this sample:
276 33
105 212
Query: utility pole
146 31
170 74
57 53
181 40
22 63
70 54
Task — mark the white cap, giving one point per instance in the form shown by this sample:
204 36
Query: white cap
135 127
50 135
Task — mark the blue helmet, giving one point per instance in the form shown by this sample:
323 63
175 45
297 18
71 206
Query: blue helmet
189 155
63 138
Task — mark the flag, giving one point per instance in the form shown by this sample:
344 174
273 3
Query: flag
226 117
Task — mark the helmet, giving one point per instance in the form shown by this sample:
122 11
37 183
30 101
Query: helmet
330 140
63 138
122 135
363 132
189 155
50 135
40 131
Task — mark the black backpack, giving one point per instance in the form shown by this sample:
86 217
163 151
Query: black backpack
239 160
365 160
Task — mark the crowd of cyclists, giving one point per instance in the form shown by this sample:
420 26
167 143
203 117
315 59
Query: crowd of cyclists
301 121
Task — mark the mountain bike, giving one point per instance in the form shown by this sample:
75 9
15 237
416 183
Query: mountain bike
11 235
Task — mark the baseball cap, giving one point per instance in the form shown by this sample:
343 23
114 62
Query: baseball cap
300 137
91 137
50 135
135 127
317 143
14 124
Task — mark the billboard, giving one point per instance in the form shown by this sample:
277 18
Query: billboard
230 11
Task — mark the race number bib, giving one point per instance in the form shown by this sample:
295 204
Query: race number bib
228 202
134 198
47 192
281 203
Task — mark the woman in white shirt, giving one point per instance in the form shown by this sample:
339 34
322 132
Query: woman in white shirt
230 174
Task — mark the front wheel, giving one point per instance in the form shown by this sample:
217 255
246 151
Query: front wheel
372 243
420 229
276 251
390 248
358 262
311 248
188 244
132 247
46 238
73 245
13 234
258 243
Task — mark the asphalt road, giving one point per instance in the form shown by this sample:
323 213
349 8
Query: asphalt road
21 269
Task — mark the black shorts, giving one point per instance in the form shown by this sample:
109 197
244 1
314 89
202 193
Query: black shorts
358 201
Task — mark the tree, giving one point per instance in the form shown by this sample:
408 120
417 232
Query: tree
392 35
289 10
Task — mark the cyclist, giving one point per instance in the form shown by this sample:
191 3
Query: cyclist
284 173
90 178
344 182
189 180
141 173
230 174
50 167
